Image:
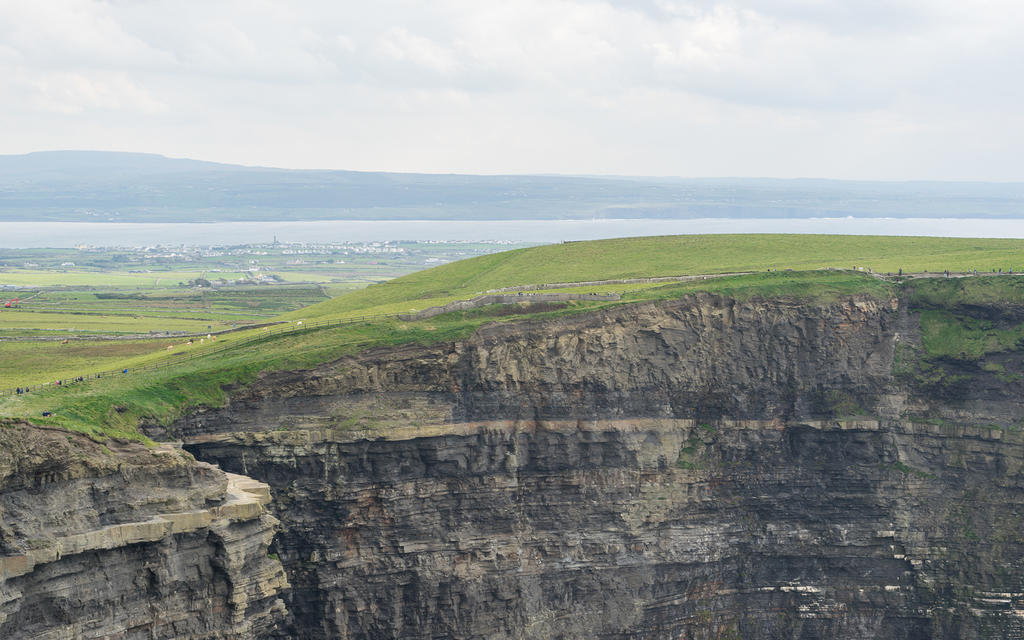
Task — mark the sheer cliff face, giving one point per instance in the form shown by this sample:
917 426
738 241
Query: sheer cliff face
121 541
703 468
703 357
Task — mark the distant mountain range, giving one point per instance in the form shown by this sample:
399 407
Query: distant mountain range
138 187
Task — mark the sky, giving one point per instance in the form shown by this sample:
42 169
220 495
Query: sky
865 89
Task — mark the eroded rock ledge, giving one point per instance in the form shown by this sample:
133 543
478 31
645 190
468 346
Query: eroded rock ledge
117 540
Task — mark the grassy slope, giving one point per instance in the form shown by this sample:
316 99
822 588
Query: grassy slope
113 405
29 363
25 363
65 313
164 394
952 327
667 256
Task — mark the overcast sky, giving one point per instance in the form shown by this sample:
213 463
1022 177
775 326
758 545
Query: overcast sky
870 89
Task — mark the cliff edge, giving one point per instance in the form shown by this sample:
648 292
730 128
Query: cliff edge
120 540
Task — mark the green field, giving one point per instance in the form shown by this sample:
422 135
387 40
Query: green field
52 323
31 362
165 393
122 312
671 256
82 278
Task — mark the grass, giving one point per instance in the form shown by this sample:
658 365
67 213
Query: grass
964 323
961 337
46 323
961 292
678 255
952 325
115 406
28 363
45 312
83 278
162 395
805 285
816 286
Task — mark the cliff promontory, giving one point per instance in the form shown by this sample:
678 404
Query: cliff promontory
122 541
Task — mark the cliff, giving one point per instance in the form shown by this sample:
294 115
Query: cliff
702 468
698 468
120 541
702 357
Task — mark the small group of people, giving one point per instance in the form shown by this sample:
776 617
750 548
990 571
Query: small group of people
78 379
965 272
60 383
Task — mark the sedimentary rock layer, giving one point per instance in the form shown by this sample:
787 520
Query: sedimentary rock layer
703 468
117 540
647 529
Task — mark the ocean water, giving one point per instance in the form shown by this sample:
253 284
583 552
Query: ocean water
112 234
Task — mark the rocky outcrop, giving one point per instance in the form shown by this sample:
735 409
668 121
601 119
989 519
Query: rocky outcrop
117 540
530 299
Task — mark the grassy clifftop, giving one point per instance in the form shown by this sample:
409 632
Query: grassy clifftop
114 406
669 256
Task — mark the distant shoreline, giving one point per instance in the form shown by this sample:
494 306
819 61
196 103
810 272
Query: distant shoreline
124 234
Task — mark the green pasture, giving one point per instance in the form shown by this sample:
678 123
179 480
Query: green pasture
350 274
96 323
86 311
26 363
679 255
257 303
169 279
82 278
113 405
336 289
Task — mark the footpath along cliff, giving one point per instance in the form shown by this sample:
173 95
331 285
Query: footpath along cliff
696 468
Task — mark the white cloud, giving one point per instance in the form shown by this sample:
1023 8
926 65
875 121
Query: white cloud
74 93
879 88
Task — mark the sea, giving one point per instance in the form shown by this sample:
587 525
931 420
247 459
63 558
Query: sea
117 234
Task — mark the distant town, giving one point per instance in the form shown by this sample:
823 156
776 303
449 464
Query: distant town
352 263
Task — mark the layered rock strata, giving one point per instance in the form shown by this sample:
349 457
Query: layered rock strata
701 468
662 528
116 540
